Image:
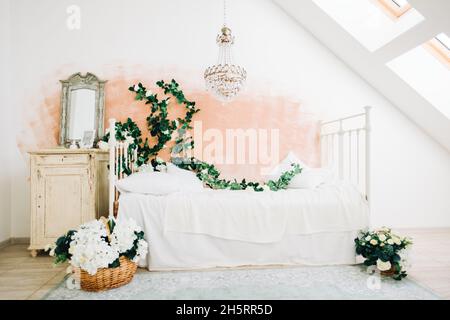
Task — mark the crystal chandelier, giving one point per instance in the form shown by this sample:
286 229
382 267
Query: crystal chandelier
225 79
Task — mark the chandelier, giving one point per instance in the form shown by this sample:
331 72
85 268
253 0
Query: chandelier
225 79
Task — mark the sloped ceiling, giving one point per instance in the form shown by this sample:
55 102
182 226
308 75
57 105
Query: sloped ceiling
371 66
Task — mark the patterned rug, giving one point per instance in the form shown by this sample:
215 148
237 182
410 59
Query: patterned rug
328 282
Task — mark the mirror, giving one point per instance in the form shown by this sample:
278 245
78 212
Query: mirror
82 103
82 113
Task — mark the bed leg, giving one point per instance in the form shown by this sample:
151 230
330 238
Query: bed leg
116 208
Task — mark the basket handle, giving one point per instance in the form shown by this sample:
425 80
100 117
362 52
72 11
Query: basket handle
105 222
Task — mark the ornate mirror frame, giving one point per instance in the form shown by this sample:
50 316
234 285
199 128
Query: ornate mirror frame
78 81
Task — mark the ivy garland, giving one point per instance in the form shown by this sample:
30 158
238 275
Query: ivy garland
210 175
158 123
161 127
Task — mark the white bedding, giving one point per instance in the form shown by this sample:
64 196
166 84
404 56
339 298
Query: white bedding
233 228
265 217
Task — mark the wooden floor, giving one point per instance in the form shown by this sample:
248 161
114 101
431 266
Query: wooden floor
430 258
24 277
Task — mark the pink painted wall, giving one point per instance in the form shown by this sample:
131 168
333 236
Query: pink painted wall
298 129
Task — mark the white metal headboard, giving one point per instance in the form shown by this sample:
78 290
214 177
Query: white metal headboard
119 157
345 147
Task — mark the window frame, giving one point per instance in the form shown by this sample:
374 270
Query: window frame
438 49
392 8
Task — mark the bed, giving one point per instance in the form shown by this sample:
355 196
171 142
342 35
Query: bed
224 228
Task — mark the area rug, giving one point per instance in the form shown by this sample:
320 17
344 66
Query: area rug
307 283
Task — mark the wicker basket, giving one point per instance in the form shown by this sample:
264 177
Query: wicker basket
108 278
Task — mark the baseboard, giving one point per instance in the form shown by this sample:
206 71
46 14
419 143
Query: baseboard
5 243
23 240
12 241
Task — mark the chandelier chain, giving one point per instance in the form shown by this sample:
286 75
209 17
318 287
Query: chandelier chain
224 13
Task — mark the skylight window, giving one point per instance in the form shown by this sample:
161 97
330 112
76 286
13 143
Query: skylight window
401 3
439 47
374 23
395 8
428 74
444 41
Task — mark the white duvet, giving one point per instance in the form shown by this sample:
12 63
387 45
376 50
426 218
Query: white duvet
257 217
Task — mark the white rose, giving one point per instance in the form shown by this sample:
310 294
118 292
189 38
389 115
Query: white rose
146 168
148 93
129 139
383 266
390 241
382 237
136 87
103 145
382 244
396 241
161 168
368 238
373 242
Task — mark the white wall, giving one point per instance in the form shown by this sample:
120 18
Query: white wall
5 127
411 174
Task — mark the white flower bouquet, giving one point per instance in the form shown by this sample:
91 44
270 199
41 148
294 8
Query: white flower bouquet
99 245
384 251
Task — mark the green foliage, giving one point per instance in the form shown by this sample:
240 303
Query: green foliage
123 130
285 178
62 246
129 130
159 125
210 175
131 253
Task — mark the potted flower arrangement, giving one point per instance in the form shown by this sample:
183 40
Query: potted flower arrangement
103 253
384 251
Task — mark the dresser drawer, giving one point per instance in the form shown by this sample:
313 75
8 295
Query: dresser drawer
62 159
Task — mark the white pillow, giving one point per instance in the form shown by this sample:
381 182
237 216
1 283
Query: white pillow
156 183
285 165
188 179
308 179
